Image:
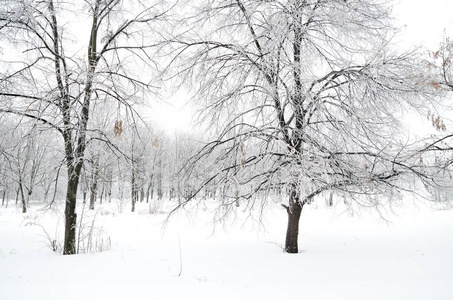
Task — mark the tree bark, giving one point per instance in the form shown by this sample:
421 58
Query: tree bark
94 184
92 200
133 204
70 215
142 194
133 190
46 192
24 203
294 211
17 195
102 195
148 189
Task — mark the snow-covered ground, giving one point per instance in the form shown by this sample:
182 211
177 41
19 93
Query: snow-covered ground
341 256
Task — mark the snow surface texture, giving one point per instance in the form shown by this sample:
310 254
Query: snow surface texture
341 257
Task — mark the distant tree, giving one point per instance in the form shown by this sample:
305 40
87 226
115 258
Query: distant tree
100 156
24 158
137 143
49 79
317 92
136 156
181 146
6 182
27 164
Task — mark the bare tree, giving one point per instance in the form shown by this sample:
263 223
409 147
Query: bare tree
100 156
24 153
307 97
51 80
27 159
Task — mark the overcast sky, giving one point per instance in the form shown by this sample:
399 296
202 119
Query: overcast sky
424 21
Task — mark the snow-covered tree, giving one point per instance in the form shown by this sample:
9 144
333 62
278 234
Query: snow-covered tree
60 66
317 91
25 159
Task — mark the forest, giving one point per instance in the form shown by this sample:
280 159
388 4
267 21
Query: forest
299 108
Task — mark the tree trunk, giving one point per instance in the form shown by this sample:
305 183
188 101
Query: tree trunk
142 194
133 203
3 198
147 192
17 195
159 180
94 185
133 190
27 199
70 215
92 196
102 195
294 211
109 186
46 193
24 203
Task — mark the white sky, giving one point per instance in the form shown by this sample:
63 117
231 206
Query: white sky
174 114
423 23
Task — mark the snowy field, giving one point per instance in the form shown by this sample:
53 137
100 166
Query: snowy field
342 256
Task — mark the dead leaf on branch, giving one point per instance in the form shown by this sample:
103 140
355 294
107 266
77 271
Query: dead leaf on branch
118 129
435 85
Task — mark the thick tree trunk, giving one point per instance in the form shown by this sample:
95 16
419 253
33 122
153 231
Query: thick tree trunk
70 215
294 211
